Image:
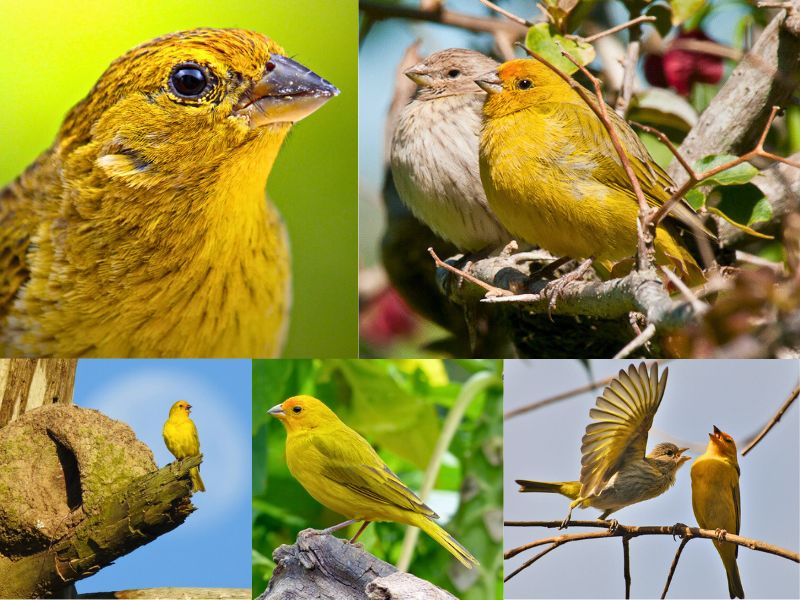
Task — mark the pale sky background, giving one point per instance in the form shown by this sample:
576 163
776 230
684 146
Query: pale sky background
737 396
212 547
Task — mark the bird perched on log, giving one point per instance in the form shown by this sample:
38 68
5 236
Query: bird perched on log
144 229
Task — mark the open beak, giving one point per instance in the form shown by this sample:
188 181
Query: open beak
682 458
277 411
417 75
286 93
490 83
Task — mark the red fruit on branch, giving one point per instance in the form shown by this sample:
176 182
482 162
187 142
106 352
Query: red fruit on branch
680 68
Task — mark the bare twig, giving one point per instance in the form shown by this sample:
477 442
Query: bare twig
690 296
674 566
505 13
792 397
488 287
640 340
626 564
616 29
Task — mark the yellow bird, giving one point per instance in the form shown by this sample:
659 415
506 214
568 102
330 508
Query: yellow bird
144 229
180 436
553 178
716 502
343 472
615 472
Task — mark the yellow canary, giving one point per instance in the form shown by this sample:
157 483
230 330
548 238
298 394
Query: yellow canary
716 502
180 436
553 177
615 472
341 471
144 229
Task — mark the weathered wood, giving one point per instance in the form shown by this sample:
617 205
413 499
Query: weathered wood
324 567
28 383
175 594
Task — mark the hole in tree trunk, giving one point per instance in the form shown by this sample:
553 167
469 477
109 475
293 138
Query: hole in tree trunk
72 475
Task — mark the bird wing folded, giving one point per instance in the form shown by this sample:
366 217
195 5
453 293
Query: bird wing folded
359 468
622 418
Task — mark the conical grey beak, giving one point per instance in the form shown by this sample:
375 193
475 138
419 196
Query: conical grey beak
490 83
276 411
418 75
286 93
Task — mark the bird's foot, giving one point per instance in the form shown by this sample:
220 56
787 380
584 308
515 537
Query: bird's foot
555 288
564 523
678 530
720 534
613 525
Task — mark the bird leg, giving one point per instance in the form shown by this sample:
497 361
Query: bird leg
613 524
554 288
330 530
720 533
359 532
565 522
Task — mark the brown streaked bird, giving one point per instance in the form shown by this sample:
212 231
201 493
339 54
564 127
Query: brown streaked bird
615 472
434 150
144 229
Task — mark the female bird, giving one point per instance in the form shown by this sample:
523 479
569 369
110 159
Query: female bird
716 502
553 177
615 472
180 436
144 229
434 151
341 471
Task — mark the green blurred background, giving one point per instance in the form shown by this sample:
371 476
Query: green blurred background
55 51
399 406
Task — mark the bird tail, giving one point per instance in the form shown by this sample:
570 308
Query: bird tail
197 483
735 588
570 489
433 529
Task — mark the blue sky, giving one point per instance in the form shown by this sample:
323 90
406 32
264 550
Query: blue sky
212 548
737 396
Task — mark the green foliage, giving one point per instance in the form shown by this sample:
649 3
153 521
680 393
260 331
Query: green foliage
399 406
688 11
544 39
737 175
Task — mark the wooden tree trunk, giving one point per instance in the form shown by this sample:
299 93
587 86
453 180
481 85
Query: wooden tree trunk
28 383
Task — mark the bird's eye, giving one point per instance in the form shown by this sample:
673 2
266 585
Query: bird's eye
297 409
670 453
453 73
190 81
524 84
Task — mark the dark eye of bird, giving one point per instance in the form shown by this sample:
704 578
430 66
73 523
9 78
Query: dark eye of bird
189 80
524 84
297 409
669 453
453 73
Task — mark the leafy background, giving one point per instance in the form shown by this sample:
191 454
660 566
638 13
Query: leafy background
55 51
399 406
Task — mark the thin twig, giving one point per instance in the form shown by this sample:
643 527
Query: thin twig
447 266
506 14
632 531
530 561
620 27
640 340
792 397
674 566
626 564
684 289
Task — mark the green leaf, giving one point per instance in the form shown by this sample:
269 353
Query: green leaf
683 10
663 109
738 175
696 198
743 206
543 39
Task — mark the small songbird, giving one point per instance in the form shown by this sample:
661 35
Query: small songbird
434 150
553 178
716 501
144 230
341 471
180 436
615 472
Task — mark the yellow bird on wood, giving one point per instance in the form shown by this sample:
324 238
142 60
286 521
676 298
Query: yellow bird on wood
180 436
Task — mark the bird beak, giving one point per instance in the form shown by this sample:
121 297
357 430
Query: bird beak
683 459
286 93
277 411
717 431
418 75
490 83
188 407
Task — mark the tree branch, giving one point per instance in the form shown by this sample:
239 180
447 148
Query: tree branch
792 397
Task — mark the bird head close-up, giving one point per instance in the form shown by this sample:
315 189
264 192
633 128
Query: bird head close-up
721 444
668 456
180 409
520 84
179 106
303 413
449 73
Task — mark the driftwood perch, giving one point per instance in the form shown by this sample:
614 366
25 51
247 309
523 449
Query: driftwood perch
324 567
78 490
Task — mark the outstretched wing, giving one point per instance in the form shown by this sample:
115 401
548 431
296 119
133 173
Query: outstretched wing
358 467
622 418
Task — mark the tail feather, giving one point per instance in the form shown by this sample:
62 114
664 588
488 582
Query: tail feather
433 529
735 588
570 489
197 483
